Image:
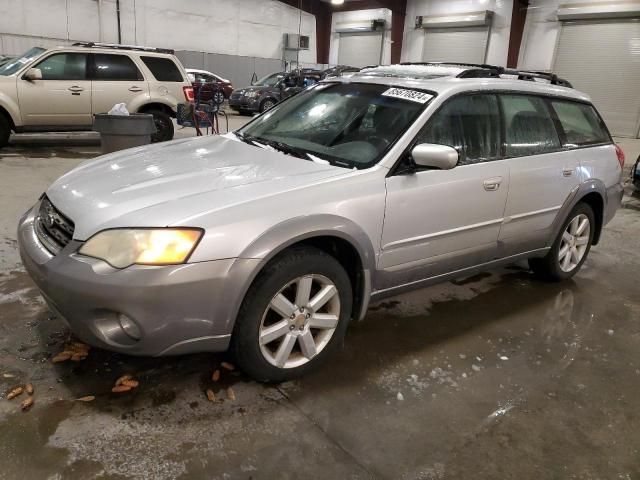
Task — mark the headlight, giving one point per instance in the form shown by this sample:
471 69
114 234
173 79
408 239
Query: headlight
251 94
122 248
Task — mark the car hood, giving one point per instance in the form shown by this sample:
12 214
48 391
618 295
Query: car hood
174 183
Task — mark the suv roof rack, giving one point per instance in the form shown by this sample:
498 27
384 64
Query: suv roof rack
483 70
123 47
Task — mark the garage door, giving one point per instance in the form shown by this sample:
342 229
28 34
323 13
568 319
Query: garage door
466 45
360 49
601 59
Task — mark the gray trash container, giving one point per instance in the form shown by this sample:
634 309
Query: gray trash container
118 132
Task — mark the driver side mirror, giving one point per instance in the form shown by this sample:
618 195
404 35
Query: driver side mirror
33 74
430 155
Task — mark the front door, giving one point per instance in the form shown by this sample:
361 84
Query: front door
62 98
116 79
439 221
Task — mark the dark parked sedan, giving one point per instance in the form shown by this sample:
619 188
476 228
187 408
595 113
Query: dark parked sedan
268 91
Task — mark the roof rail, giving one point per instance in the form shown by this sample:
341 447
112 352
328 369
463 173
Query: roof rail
532 75
123 47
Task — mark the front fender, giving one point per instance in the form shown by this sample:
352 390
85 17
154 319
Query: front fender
7 103
287 233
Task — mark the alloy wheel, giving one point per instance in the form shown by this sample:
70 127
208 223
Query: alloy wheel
299 321
574 243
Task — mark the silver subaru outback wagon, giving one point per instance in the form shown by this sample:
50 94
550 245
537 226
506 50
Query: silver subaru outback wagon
267 241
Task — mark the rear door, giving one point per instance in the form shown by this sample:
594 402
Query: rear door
439 221
542 174
116 79
62 98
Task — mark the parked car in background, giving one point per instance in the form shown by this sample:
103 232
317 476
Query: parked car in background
203 81
269 90
60 89
270 240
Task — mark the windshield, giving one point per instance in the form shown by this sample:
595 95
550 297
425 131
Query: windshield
17 63
269 80
350 125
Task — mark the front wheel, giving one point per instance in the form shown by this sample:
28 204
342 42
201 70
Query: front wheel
268 104
571 247
293 316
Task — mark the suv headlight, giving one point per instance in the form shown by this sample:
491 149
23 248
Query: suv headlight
251 94
122 248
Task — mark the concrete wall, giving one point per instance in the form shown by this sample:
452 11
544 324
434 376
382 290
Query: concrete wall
498 47
360 15
251 28
541 33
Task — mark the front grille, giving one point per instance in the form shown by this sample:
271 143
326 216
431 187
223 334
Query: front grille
53 229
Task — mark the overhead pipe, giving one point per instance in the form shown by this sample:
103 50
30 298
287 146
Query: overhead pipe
118 17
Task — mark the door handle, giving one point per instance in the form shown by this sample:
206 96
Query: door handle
135 89
567 172
492 184
76 89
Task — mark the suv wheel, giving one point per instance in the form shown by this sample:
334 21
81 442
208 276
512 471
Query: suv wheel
267 104
571 247
5 131
164 126
293 316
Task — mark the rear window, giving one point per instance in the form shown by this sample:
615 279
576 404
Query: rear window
580 123
164 69
115 67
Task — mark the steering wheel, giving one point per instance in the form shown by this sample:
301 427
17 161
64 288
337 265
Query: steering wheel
380 143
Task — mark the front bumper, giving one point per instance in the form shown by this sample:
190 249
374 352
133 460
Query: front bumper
178 309
243 103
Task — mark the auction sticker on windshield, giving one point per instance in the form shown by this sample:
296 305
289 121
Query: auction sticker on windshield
411 95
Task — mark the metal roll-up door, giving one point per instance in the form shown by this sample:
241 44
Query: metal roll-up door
466 44
601 59
360 49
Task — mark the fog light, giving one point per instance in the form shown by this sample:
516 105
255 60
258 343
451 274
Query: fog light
129 327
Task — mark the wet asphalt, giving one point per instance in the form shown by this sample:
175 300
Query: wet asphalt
494 376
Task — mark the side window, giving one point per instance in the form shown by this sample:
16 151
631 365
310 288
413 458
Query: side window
470 124
580 123
529 127
64 66
163 69
115 67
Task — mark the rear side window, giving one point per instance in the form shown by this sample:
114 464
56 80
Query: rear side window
163 69
580 123
529 127
470 124
115 67
64 66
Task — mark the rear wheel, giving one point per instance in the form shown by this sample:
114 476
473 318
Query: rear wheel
293 317
164 126
571 247
5 131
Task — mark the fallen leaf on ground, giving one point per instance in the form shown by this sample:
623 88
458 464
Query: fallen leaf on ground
27 403
216 376
123 378
120 389
14 392
62 357
88 398
211 396
227 366
130 383
29 389
231 394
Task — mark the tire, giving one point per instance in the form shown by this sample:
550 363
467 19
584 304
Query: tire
317 272
164 126
555 266
267 104
5 131
218 97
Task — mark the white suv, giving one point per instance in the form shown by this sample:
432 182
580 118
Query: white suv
61 88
